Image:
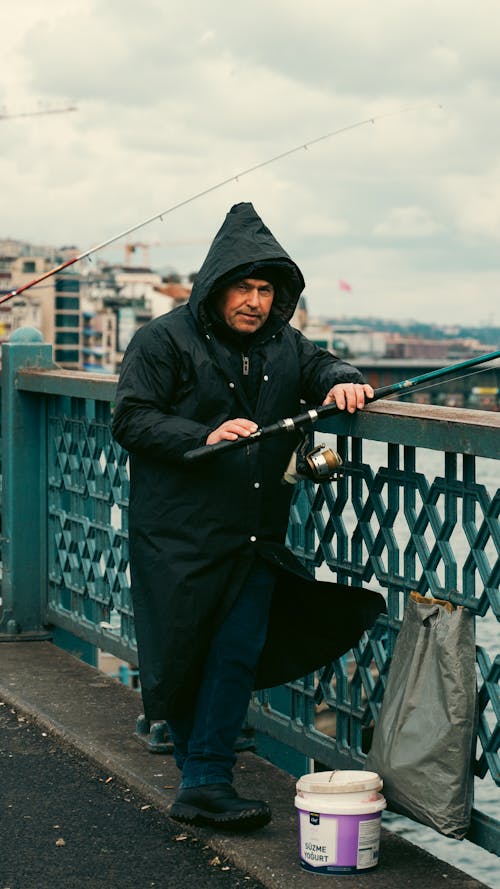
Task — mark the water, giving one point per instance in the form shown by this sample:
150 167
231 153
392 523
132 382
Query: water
468 857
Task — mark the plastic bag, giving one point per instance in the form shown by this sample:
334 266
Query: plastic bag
424 740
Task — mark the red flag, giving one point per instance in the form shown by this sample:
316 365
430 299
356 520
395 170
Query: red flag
344 285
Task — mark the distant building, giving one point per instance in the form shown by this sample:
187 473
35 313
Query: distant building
68 328
19 312
173 294
347 340
16 270
133 295
53 306
99 340
398 346
89 313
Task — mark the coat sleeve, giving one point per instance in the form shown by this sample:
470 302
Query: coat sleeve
144 421
320 370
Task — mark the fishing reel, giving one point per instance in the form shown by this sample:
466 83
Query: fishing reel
320 464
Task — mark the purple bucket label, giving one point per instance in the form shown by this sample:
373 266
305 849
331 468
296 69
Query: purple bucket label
338 843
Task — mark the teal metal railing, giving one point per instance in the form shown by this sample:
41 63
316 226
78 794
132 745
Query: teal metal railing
416 508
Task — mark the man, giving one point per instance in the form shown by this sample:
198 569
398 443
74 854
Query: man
221 606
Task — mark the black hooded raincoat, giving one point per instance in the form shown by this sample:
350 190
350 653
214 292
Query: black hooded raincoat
195 528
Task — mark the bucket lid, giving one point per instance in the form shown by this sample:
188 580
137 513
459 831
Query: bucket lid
339 781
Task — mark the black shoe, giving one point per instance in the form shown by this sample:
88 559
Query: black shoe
219 805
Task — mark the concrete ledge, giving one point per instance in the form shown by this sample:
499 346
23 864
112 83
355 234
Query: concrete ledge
96 715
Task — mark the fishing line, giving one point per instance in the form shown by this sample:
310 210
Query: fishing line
234 178
473 373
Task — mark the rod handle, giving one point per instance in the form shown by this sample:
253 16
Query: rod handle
210 450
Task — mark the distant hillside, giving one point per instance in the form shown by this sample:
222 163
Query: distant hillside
484 334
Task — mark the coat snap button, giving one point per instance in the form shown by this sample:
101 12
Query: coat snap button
256 484
231 385
266 378
253 539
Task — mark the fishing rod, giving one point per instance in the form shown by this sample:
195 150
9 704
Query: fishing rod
291 424
234 178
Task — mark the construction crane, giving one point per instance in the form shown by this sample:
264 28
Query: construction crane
131 246
4 115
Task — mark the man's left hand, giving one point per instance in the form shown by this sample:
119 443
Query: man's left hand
350 396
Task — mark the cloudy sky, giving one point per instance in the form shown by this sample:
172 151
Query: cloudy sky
175 96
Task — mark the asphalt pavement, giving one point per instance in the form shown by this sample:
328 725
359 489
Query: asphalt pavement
66 824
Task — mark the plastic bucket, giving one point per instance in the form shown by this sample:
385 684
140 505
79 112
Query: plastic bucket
340 814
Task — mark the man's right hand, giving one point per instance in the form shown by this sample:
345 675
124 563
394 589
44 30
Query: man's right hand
231 430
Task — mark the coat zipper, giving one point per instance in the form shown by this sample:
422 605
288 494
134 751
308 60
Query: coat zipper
246 364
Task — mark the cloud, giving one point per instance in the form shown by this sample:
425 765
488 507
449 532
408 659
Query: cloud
475 202
176 99
407 222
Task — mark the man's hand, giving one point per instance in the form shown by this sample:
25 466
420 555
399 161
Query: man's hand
231 430
349 395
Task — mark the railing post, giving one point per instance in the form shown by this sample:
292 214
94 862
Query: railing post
24 491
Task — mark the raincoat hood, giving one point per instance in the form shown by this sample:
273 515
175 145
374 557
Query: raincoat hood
245 248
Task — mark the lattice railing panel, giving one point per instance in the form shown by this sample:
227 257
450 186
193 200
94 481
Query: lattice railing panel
398 529
88 487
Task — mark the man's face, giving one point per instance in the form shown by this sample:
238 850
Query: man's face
245 306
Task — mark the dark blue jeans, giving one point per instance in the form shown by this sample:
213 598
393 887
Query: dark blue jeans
204 739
